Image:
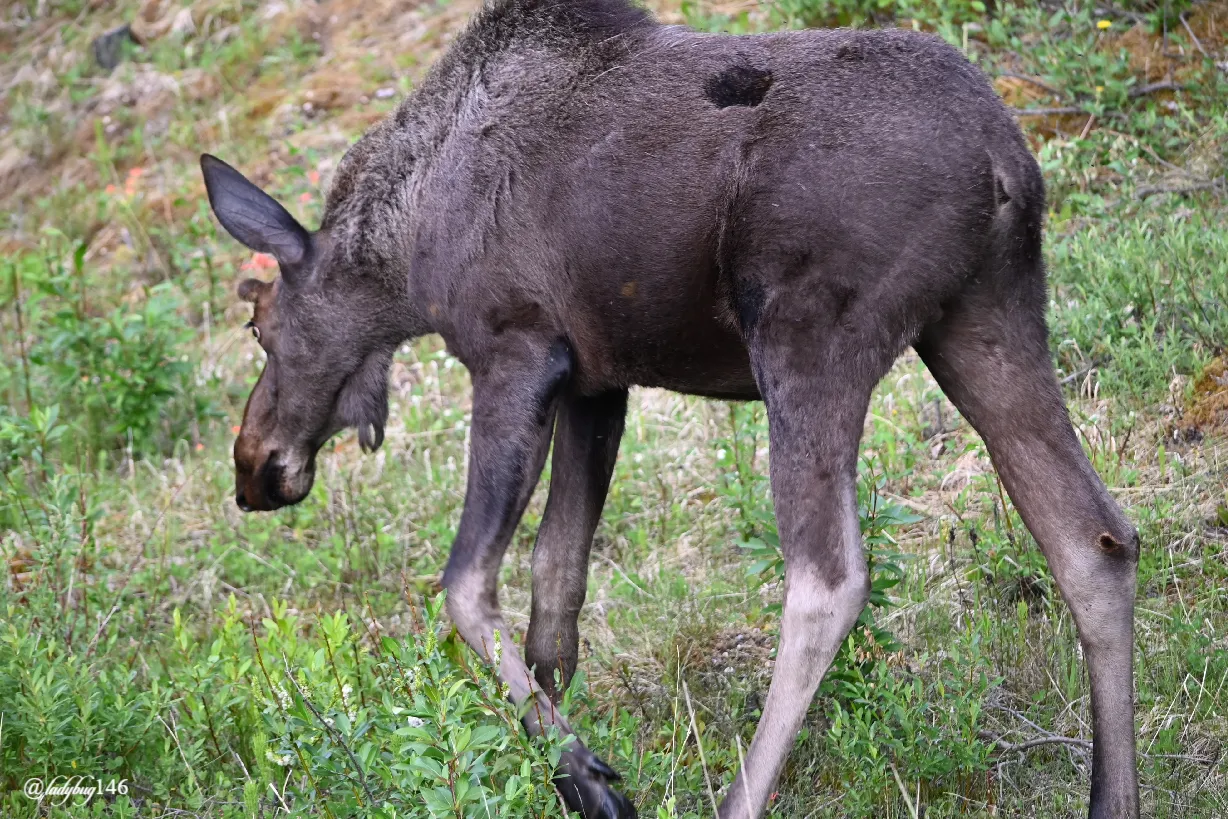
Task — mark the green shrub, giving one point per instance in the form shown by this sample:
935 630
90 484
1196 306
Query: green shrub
889 729
331 721
121 373
411 728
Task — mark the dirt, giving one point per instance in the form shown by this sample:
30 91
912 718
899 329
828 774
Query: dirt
324 104
336 96
1206 412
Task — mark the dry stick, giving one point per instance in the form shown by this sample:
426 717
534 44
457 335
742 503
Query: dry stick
1116 12
81 611
362 686
619 569
750 813
1006 514
204 701
25 514
1152 190
1193 36
336 735
1012 75
175 736
1077 374
1033 743
1087 129
1135 93
912 808
21 337
1049 112
381 668
700 745
332 663
1144 90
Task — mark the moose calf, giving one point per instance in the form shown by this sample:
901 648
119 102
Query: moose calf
580 200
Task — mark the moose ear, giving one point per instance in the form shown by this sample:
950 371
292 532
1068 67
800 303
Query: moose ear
252 216
253 290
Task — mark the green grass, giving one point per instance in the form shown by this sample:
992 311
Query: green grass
230 665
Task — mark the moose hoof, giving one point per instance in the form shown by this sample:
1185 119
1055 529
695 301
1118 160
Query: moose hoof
584 783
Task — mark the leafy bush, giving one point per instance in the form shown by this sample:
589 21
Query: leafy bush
890 729
343 723
412 728
121 374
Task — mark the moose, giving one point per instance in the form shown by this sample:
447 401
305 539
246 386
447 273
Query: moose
580 199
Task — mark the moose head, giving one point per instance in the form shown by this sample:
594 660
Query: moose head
328 332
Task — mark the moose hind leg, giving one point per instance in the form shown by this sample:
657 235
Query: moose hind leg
514 403
990 355
817 394
586 439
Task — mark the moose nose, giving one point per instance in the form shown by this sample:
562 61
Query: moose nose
241 500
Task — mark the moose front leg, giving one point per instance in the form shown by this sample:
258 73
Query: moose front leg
514 402
586 439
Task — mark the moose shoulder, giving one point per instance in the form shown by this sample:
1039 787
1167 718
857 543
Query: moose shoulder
580 200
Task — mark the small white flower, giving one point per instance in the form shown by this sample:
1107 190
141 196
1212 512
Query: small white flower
283 697
415 680
346 691
415 722
278 759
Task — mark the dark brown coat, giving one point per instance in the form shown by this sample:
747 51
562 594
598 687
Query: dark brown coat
579 201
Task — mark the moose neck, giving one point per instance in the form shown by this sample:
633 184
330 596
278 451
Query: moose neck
385 204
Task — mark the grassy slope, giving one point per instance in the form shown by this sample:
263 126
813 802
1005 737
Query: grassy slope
123 551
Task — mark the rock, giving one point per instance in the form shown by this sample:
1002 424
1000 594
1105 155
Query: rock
109 47
183 23
156 19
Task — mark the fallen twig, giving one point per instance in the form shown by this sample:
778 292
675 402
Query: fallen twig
1049 112
1116 12
1081 744
1193 36
1152 190
1045 86
1135 93
1077 374
1151 88
1052 739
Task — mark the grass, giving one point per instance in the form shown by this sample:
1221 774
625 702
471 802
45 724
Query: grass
241 666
